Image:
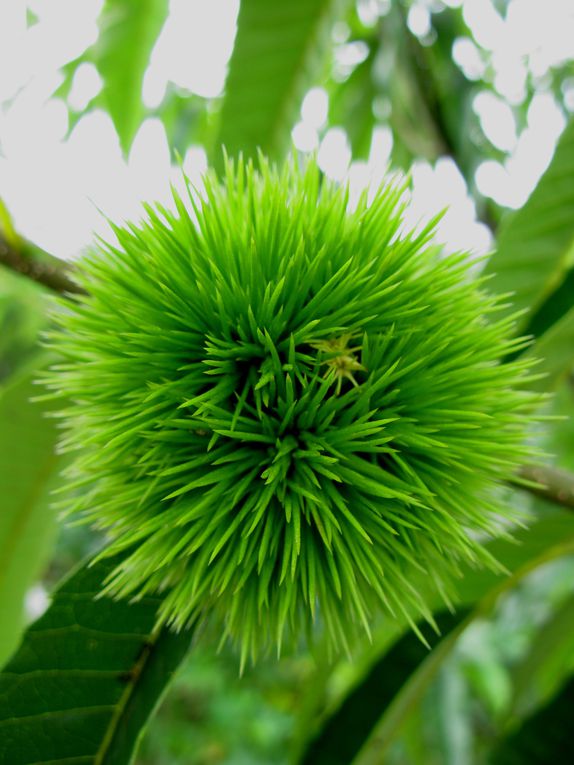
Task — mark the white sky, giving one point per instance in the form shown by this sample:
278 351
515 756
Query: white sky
55 186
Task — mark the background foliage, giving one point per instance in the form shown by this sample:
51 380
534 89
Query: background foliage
427 82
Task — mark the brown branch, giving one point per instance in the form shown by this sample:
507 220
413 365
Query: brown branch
37 265
552 484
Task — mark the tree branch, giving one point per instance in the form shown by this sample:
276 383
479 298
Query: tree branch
37 265
552 484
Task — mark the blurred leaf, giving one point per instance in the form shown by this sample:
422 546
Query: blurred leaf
449 724
558 440
28 468
214 716
86 678
544 738
556 305
7 226
185 118
31 18
414 134
527 546
414 686
490 681
22 316
21 308
279 51
395 683
550 658
351 106
67 72
555 352
128 32
535 244
429 97
347 729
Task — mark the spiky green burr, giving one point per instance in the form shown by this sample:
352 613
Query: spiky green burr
285 412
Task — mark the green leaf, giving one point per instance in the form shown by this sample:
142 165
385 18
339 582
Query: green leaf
185 118
535 245
546 737
554 352
549 659
7 229
128 32
528 545
86 678
28 468
394 685
280 49
351 105
347 729
553 308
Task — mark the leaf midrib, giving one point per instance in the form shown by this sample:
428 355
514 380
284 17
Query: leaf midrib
136 673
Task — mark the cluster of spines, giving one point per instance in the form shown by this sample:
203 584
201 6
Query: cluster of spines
279 404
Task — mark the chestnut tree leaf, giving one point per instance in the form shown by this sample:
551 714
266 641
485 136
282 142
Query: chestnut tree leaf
86 678
550 658
28 469
554 352
280 49
370 717
128 32
534 251
546 736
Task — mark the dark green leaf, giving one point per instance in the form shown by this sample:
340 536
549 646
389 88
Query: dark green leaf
347 729
549 659
394 685
543 739
555 352
553 308
279 50
86 678
534 246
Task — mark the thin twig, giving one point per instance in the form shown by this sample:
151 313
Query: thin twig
40 267
550 483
